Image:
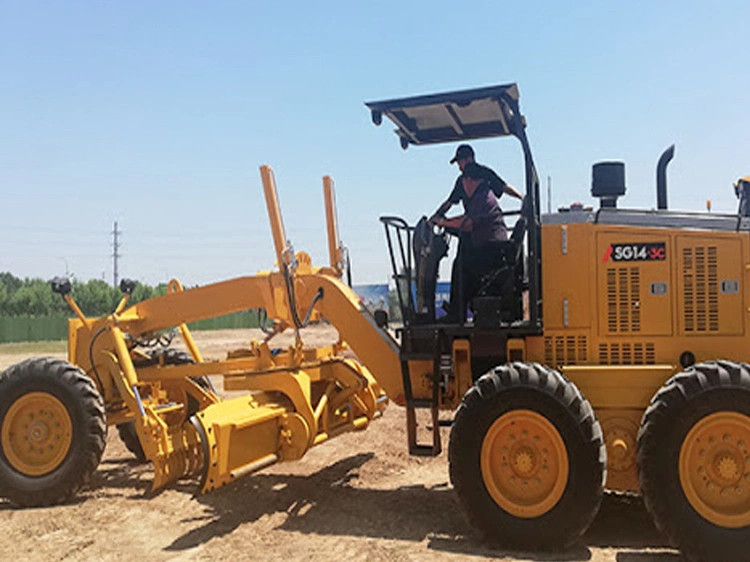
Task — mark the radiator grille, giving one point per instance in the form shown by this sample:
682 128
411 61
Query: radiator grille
627 354
623 299
700 297
565 350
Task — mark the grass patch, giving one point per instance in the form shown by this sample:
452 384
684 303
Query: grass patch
34 348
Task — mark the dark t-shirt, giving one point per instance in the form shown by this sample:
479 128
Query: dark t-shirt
495 183
486 216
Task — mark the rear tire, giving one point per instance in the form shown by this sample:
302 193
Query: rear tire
527 457
53 431
694 461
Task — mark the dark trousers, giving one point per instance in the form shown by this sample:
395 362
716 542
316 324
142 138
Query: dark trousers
457 279
471 265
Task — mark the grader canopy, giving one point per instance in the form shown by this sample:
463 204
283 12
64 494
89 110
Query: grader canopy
451 117
464 115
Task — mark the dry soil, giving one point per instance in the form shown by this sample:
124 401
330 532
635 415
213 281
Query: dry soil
357 497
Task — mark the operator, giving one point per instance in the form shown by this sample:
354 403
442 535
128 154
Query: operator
481 225
463 157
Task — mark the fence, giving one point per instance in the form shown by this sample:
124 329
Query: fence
33 328
54 328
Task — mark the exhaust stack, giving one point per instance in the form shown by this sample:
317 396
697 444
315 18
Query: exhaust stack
661 178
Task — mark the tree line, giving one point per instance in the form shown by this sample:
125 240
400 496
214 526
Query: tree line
34 297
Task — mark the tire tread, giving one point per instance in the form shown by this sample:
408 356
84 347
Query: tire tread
490 390
84 455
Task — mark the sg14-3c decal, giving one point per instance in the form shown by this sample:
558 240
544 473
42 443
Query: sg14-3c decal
652 251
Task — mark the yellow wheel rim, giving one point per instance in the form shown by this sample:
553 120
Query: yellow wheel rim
715 469
36 434
524 463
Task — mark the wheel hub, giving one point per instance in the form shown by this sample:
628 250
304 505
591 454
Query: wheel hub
715 469
36 433
524 463
620 447
727 468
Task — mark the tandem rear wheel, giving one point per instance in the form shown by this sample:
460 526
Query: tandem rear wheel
527 457
52 431
694 461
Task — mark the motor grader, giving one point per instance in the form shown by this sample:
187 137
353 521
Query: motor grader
605 350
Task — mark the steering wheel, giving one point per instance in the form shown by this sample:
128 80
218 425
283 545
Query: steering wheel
453 231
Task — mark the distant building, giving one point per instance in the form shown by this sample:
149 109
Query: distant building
375 297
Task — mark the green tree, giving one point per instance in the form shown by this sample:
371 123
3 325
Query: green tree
10 282
34 298
96 297
3 301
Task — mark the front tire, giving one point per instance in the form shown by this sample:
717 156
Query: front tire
52 430
694 461
527 457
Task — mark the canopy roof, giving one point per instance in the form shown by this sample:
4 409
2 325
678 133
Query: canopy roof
451 116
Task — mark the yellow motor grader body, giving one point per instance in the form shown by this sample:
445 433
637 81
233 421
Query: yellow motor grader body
625 368
607 348
627 307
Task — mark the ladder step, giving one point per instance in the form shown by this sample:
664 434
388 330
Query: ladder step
412 405
423 451
415 448
441 423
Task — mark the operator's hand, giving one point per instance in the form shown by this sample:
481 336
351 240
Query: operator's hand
440 213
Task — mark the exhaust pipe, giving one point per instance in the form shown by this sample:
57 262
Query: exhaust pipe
661 178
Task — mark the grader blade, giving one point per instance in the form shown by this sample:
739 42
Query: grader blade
241 436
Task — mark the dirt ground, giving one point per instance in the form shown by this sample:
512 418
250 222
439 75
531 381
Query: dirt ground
357 497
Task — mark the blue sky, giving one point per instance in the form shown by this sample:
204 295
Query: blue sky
157 115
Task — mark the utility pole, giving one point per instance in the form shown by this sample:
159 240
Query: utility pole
115 250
